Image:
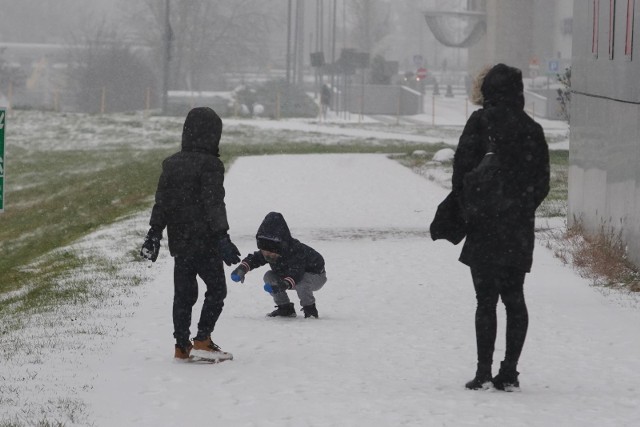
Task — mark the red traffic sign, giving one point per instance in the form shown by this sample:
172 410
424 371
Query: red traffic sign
421 73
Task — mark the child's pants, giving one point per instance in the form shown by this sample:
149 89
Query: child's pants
185 271
305 288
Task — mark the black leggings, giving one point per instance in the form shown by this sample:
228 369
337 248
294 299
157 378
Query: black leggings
506 283
185 294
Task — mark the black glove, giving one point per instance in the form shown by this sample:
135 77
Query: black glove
151 245
228 251
238 274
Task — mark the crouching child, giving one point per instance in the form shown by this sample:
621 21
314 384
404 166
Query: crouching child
294 266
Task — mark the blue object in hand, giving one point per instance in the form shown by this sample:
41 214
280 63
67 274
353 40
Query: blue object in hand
238 274
277 287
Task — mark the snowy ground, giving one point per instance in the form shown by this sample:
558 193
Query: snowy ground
395 341
394 345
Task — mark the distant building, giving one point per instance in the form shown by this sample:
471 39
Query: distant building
523 33
533 35
604 169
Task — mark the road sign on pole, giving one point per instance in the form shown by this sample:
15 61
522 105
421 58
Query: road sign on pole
2 165
553 66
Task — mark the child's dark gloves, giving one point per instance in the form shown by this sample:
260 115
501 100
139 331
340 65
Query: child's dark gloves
151 246
228 251
238 274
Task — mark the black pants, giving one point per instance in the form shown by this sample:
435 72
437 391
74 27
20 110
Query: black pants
506 283
185 294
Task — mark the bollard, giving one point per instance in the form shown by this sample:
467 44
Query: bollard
433 110
56 100
147 104
103 100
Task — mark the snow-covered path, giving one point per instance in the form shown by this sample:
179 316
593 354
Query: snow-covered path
395 342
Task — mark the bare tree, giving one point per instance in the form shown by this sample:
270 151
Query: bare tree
371 23
208 38
107 74
37 21
10 75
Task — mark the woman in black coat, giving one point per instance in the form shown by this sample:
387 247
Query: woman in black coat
499 250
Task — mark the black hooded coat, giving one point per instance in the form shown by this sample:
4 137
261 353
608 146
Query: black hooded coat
295 259
524 156
189 199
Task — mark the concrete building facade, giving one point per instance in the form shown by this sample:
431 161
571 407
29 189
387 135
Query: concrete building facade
604 169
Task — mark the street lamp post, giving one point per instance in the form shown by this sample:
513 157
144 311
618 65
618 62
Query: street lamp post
289 43
166 57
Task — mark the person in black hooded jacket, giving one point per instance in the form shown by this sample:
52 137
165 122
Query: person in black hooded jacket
294 265
499 250
189 202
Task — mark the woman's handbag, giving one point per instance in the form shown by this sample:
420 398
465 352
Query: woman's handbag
448 222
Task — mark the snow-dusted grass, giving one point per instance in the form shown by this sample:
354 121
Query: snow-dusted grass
64 201
48 332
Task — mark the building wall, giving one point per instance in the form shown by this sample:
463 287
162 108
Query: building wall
383 99
544 29
563 27
552 29
604 161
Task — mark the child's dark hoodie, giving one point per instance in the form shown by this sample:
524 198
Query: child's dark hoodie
295 259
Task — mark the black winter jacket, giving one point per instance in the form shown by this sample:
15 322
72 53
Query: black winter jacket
295 259
523 152
189 199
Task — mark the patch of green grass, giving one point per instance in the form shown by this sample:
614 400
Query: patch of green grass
64 199
40 284
559 157
555 205
41 423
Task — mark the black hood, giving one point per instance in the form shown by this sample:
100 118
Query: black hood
502 85
273 234
201 131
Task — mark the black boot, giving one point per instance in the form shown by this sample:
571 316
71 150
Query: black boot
482 380
507 378
284 310
310 311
